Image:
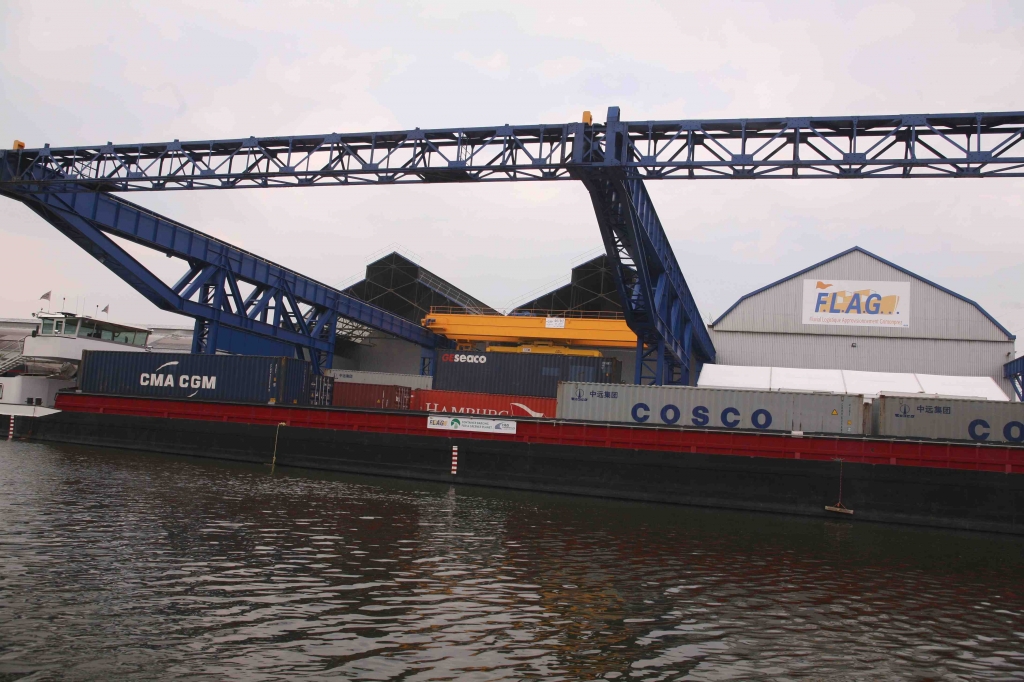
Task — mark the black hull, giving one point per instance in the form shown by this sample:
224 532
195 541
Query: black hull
947 498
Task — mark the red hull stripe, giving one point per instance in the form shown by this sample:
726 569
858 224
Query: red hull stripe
941 455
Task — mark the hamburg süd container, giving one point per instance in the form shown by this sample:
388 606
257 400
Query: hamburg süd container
981 421
229 378
519 373
460 402
712 408
352 376
373 396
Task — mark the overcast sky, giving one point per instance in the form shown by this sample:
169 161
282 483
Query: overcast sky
87 72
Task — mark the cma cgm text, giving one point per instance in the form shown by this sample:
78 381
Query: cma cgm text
184 381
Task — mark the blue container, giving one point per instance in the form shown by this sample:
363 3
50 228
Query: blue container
228 378
529 374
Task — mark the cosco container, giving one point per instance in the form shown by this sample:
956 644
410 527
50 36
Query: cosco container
459 402
982 421
371 396
519 373
352 376
712 408
231 378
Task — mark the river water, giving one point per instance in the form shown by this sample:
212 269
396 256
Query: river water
121 565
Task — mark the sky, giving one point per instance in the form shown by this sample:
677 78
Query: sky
89 72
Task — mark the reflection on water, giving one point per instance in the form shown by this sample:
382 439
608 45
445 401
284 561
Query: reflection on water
117 565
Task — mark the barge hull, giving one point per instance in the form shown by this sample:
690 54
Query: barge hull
986 500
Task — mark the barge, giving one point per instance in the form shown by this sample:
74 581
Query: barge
962 485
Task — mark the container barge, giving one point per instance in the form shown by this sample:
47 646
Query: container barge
917 460
973 486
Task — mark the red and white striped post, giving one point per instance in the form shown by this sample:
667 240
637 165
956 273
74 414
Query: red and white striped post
10 428
455 459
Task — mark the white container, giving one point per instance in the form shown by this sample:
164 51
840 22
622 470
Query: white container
773 411
381 378
982 421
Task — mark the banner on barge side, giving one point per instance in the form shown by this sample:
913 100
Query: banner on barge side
445 423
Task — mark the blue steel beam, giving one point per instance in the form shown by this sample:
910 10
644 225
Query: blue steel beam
1014 371
304 311
981 144
672 341
612 160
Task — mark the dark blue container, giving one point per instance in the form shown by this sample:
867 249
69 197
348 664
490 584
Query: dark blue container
519 373
230 378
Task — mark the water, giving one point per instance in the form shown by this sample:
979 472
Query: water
118 565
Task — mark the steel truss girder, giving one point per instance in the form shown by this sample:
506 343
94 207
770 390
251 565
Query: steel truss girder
612 159
209 291
657 303
208 308
979 144
1014 371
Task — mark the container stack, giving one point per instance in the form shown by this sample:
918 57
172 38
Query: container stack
519 374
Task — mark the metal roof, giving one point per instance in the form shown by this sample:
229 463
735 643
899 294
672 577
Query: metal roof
880 259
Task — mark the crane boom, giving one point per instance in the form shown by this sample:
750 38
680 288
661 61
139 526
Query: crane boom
612 160
896 146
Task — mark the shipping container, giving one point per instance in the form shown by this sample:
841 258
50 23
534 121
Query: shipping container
519 374
371 396
231 378
459 402
712 408
321 389
381 378
983 421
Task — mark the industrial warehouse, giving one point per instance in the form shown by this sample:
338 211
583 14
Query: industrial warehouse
609 385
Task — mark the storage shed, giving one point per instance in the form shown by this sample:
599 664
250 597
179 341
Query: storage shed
857 311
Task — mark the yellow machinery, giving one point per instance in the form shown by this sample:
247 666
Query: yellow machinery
558 333
545 349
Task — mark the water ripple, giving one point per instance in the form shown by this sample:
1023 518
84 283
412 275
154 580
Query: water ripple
130 566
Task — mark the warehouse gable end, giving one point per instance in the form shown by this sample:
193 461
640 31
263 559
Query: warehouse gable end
935 311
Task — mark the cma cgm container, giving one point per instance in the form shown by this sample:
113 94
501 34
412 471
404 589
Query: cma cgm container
983 421
459 402
712 408
352 376
371 395
231 378
519 373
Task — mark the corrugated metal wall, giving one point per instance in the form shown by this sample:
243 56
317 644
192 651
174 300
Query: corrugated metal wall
947 335
923 356
934 314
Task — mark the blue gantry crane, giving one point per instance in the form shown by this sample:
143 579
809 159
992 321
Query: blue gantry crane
71 188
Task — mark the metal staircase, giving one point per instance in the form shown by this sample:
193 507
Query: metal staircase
10 362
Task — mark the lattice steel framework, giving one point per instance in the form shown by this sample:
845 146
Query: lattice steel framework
1014 371
240 302
612 160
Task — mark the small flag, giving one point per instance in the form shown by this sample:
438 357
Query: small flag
46 296
106 309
